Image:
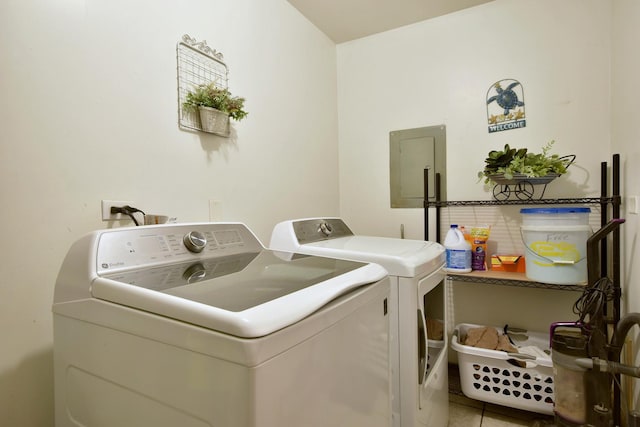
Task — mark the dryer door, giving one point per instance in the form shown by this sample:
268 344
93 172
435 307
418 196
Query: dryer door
433 397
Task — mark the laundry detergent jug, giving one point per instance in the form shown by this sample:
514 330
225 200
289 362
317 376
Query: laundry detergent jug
458 251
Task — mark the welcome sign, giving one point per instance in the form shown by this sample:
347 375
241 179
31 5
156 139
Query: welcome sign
505 106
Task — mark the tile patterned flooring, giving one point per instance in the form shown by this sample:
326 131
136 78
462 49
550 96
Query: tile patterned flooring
465 412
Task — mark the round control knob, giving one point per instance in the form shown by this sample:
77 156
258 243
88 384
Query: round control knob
195 241
326 229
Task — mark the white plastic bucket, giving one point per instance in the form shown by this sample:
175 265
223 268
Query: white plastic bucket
556 244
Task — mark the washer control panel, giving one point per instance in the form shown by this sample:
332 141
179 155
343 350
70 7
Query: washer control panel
121 249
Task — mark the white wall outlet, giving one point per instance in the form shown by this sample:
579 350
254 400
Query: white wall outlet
106 210
632 205
215 210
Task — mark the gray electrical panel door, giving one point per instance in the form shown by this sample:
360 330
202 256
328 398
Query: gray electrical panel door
411 152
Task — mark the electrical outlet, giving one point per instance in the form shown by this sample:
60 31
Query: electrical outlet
632 205
215 210
106 210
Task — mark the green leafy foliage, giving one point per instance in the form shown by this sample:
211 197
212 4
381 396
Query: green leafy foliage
209 95
513 161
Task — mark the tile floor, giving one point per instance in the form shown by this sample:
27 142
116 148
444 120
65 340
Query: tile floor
465 412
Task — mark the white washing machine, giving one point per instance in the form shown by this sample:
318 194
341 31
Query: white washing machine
418 343
199 325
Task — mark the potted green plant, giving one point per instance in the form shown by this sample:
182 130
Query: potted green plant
512 165
216 106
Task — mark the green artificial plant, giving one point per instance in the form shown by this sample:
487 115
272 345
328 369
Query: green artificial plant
212 96
513 161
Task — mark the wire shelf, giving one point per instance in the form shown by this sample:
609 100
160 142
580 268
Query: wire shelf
584 200
518 280
197 64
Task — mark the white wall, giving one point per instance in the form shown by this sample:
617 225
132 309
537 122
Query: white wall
625 89
438 72
625 131
88 112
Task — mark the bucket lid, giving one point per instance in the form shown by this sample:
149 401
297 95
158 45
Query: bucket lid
556 228
554 210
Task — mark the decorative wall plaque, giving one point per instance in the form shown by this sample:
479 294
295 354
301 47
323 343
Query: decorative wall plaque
505 106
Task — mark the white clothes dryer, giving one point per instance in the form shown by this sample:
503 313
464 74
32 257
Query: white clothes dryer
418 344
199 325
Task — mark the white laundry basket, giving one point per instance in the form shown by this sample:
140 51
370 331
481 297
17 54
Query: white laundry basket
517 380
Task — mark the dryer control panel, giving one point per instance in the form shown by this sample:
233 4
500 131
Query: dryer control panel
314 230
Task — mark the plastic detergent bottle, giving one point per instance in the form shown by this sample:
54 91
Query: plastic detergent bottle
458 251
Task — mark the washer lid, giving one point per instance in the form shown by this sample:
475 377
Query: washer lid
247 295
